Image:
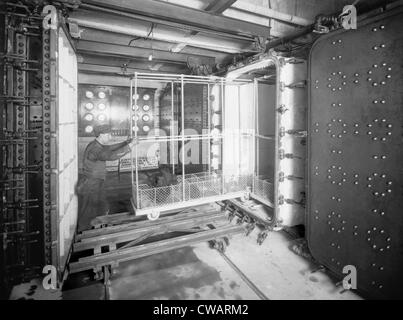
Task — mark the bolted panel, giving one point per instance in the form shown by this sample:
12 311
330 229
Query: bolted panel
355 153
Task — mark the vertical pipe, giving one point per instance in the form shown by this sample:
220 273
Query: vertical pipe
239 131
254 136
183 134
172 129
223 134
257 127
209 130
131 134
135 135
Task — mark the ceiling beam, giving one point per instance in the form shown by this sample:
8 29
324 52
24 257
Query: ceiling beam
216 7
103 69
270 13
184 15
89 34
108 49
129 62
219 6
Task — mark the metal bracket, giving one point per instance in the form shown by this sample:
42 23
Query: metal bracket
153 215
348 17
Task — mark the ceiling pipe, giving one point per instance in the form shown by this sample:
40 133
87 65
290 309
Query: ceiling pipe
137 28
168 23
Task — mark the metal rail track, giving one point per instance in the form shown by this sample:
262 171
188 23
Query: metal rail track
100 260
109 238
121 224
201 226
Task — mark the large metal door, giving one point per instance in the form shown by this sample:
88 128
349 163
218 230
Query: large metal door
60 164
355 200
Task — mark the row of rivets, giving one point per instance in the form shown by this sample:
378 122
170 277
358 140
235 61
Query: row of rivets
381 46
375 237
46 145
375 29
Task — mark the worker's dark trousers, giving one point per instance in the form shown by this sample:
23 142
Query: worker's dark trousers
91 201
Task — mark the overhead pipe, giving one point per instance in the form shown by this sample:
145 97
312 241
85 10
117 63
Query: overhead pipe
138 28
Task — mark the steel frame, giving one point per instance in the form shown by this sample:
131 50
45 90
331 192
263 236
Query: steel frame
19 236
288 211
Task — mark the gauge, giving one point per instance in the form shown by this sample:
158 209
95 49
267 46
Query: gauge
146 128
146 107
89 106
146 118
101 117
101 95
101 106
89 117
89 129
135 107
135 128
146 97
89 94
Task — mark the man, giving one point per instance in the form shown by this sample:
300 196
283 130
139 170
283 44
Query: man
90 189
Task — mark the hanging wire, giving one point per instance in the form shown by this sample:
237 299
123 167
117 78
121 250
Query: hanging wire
144 38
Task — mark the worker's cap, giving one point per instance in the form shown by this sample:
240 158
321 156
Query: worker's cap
103 128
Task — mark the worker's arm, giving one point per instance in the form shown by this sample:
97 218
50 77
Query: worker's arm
119 145
110 153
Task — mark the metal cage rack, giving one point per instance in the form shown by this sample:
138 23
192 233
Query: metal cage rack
214 183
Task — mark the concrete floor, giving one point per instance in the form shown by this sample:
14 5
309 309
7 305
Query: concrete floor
199 272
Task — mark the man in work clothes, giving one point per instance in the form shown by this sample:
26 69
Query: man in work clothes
92 199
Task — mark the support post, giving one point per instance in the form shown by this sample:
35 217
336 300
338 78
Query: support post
135 135
172 128
223 135
183 134
209 130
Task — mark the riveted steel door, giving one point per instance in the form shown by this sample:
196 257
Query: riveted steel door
355 200
60 165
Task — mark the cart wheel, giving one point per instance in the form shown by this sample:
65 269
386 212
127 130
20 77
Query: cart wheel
250 227
153 215
261 237
220 245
